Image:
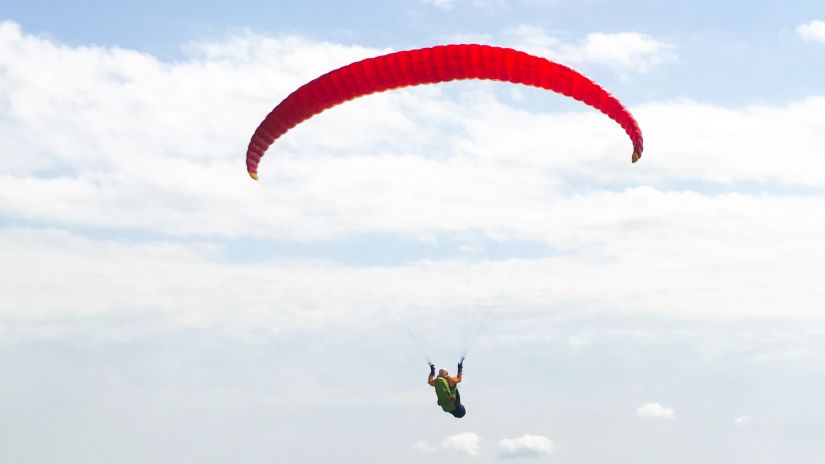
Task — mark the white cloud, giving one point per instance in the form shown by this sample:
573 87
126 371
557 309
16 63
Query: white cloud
623 51
495 165
742 421
120 110
813 31
655 411
527 446
443 4
451 4
467 443
629 51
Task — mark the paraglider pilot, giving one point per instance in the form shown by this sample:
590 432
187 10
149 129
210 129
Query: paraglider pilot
446 389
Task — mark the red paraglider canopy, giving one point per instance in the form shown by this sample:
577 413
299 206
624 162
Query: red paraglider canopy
427 66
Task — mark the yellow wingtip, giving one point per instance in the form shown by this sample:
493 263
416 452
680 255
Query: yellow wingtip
253 175
635 157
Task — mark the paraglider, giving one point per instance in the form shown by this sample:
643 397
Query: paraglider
446 390
428 66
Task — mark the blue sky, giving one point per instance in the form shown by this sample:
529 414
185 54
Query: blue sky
156 304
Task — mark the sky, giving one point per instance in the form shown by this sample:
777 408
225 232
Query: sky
158 305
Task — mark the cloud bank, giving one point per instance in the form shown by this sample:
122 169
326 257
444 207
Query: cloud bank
139 190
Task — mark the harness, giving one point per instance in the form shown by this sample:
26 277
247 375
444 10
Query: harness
445 394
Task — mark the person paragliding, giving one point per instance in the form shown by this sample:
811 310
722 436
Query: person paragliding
446 389
432 65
